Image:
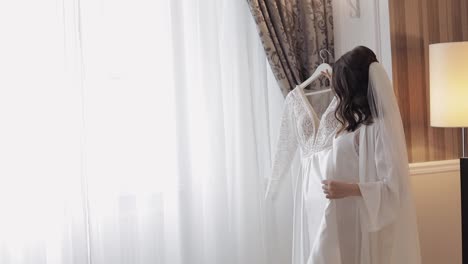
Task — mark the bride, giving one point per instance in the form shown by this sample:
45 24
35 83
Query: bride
368 113
353 199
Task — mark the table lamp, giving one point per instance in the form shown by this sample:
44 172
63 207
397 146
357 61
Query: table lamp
448 69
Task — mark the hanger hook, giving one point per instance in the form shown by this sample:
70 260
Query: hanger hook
323 57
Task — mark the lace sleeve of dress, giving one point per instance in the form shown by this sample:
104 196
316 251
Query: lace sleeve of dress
286 146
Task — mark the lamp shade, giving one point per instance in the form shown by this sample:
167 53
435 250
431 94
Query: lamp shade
448 69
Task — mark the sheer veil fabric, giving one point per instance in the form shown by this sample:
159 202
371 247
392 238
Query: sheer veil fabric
390 233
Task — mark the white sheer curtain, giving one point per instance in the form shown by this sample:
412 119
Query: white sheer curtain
136 132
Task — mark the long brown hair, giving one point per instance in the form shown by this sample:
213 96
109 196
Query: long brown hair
350 84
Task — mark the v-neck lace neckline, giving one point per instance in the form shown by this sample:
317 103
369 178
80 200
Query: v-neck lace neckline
312 113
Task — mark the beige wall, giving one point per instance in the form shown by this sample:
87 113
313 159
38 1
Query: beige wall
436 189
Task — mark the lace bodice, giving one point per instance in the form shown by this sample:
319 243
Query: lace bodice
302 128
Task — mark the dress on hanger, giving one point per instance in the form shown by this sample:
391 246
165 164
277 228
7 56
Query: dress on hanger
335 231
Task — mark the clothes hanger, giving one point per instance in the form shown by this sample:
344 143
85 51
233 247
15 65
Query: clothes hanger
318 72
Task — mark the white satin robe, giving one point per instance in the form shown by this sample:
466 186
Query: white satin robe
377 228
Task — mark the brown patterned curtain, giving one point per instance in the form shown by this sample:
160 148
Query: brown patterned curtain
293 32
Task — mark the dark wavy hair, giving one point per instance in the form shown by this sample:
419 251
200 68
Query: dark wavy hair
350 83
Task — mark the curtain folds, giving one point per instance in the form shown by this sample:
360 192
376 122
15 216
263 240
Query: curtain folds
135 132
292 33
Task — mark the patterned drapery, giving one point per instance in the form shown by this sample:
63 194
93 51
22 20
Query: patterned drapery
292 33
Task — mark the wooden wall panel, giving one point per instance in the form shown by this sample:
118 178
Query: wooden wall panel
414 24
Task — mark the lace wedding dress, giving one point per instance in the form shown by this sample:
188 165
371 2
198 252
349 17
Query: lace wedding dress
313 133
378 227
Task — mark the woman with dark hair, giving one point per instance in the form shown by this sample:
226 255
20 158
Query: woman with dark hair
353 203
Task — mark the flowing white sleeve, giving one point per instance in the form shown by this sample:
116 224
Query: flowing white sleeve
380 188
286 147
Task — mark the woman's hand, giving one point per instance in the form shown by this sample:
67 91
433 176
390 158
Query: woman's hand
338 189
326 74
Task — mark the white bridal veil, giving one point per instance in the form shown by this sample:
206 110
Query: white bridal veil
388 215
